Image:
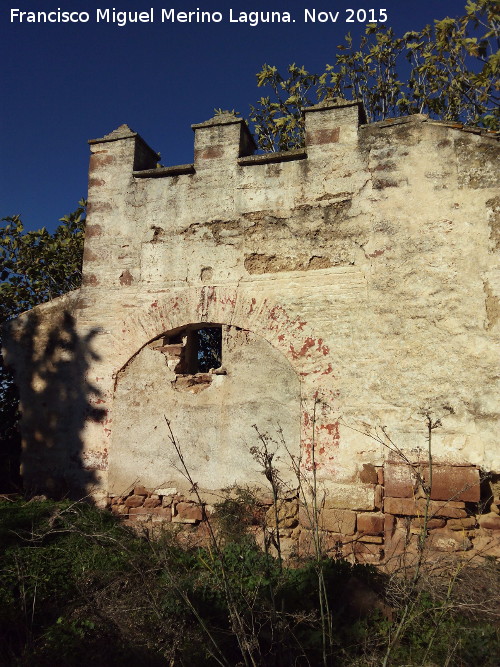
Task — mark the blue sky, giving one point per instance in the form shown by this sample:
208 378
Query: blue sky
65 83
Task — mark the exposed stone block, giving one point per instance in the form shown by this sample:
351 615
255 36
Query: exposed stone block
140 491
487 545
187 513
416 507
134 501
170 491
418 523
161 514
138 510
399 480
289 547
389 525
351 497
448 540
285 532
139 513
329 543
448 482
368 474
338 521
399 543
402 522
454 483
192 383
178 519
367 553
119 509
461 524
172 351
305 517
489 521
287 514
371 539
371 523
152 502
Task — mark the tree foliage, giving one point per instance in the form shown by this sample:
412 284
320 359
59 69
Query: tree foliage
449 70
37 266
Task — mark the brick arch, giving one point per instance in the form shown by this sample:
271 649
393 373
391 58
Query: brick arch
304 349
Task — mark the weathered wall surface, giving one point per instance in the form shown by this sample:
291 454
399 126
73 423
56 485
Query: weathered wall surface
364 269
52 361
212 419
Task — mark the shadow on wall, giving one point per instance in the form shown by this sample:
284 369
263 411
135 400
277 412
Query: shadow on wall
50 368
10 438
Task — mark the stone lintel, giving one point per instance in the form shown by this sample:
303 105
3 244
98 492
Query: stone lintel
163 172
272 158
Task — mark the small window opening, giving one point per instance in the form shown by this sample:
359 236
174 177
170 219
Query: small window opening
194 350
208 348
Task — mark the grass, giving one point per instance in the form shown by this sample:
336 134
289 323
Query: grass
78 588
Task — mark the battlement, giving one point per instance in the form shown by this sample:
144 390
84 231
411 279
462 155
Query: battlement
142 217
225 137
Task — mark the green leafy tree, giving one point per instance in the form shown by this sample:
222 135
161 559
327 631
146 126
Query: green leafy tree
449 70
277 118
35 266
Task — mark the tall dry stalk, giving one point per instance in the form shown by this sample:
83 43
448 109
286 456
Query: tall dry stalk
248 643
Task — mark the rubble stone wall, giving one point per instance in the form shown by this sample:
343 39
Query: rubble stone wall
406 518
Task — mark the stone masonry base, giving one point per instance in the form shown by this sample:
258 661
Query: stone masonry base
463 516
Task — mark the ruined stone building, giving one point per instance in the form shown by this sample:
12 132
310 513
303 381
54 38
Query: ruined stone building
334 298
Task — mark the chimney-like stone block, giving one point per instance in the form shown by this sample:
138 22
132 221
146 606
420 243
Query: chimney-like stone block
123 146
113 159
223 137
330 123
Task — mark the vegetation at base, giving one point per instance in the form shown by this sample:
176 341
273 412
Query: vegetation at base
77 588
449 70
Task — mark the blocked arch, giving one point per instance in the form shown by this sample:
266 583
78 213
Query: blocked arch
212 413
